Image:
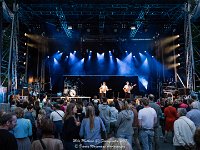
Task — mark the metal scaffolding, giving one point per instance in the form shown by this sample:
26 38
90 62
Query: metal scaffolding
13 54
189 49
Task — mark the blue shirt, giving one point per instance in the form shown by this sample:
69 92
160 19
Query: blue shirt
194 115
91 137
23 128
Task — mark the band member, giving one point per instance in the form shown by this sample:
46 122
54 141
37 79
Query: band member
127 89
103 89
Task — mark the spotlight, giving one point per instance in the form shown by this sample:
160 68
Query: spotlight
110 56
66 56
24 63
145 51
69 27
24 54
125 51
178 55
74 51
179 64
90 51
133 56
109 51
58 51
152 56
133 27
25 43
178 36
178 44
25 34
47 56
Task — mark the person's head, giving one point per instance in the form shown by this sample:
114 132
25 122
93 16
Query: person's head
8 121
30 107
125 105
56 106
197 138
145 101
37 104
181 112
194 105
47 126
127 82
25 104
117 143
151 97
90 113
112 104
70 111
61 102
104 83
104 100
194 96
42 112
19 112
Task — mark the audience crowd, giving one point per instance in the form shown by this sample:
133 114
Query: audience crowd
124 124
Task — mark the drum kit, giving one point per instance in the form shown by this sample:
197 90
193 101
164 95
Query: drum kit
70 90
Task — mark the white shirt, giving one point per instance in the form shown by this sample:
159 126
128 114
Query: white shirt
147 117
184 130
54 116
127 88
103 89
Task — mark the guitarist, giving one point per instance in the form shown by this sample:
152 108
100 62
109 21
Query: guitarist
103 89
127 89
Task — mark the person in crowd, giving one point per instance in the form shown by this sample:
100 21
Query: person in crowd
7 140
11 98
79 106
44 99
41 116
13 106
184 130
48 109
147 118
158 110
170 114
194 115
61 103
132 106
48 142
37 107
139 104
29 115
70 128
113 118
22 131
124 123
104 114
162 119
91 128
195 102
117 143
117 106
57 117
197 139
96 107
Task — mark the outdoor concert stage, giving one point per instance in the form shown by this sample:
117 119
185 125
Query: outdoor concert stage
88 86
